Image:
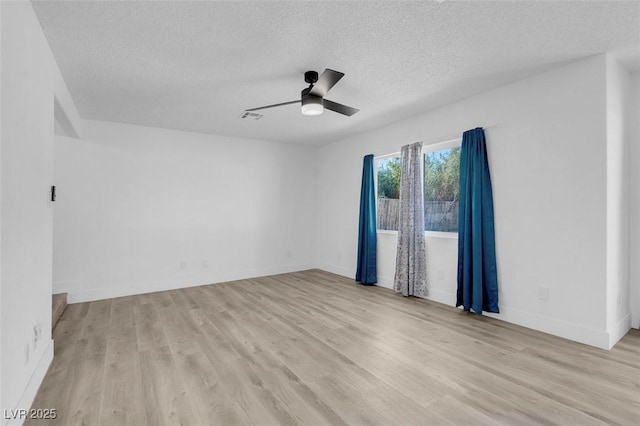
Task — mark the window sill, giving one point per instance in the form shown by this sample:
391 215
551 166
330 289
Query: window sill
428 234
438 234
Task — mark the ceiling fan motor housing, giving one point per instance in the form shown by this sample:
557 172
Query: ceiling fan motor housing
311 77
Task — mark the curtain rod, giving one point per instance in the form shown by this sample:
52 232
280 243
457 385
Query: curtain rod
441 140
458 136
490 127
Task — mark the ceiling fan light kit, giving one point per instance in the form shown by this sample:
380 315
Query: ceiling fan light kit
311 105
312 98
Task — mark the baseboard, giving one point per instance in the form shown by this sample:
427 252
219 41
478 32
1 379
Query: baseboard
337 269
531 320
553 326
589 336
31 390
619 330
89 295
65 287
385 281
440 296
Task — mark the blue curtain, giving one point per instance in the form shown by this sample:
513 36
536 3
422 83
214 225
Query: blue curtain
366 272
477 271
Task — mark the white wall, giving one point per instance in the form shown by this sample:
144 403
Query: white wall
1 316
547 147
27 89
134 202
618 104
634 200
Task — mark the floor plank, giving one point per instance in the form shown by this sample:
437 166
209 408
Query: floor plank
315 348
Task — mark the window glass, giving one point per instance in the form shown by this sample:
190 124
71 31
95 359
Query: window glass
441 190
388 170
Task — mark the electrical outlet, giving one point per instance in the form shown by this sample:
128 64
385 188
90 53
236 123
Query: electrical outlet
27 353
34 337
440 274
37 335
205 263
183 264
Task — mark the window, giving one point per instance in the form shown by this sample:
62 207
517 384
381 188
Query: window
388 192
441 188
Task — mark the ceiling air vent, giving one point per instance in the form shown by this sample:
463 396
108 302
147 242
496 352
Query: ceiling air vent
251 115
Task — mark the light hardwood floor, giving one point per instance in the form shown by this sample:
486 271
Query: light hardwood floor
315 348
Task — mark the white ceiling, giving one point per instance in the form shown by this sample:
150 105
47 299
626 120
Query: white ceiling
197 65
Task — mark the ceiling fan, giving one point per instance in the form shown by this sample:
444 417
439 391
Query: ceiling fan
312 98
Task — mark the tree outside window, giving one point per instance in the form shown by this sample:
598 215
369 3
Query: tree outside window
441 190
388 193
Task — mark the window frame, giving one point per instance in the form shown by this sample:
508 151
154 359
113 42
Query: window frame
439 146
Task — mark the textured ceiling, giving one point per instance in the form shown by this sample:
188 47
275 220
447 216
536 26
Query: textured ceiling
197 65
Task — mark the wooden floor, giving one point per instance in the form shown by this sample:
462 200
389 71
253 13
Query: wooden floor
316 348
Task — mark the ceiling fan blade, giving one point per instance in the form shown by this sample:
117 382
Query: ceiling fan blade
327 80
273 106
339 108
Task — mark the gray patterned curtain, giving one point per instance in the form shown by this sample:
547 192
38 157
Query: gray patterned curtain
411 262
